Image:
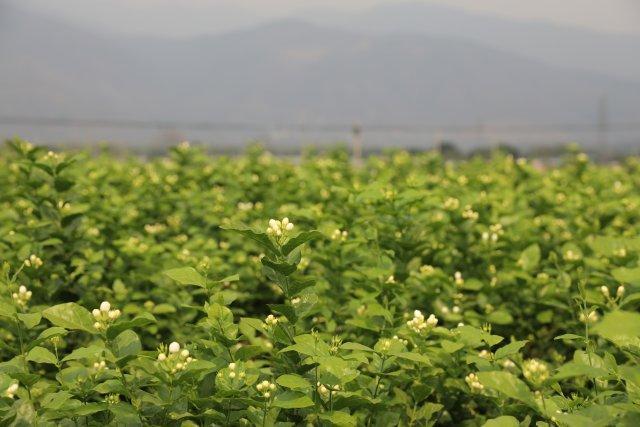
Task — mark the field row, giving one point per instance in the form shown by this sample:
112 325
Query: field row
191 290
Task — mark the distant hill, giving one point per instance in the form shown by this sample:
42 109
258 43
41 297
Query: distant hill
572 47
290 72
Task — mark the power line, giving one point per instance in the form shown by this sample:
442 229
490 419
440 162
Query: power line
66 122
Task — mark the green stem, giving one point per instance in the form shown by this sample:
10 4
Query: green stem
264 413
379 378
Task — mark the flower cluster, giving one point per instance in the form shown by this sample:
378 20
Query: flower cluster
270 321
278 228
473 382
326 391
535 371
401 340
619 292
508 364
22 297
339 235
155 228
11 390
591 317
419 324
33 261
495 231
266 388
175 360
112 399
385 345
470 214
335 344
104 315
427 270
486 237
571 256
485 354
458 279
52 155
100 366
451 204
232 371
620 253
232 376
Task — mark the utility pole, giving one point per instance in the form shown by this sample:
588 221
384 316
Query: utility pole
602 125
356 134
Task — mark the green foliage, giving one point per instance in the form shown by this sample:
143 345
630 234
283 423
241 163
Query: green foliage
409 291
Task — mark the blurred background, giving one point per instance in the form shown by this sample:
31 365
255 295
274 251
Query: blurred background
468 75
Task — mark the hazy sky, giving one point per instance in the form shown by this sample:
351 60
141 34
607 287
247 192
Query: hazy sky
190 17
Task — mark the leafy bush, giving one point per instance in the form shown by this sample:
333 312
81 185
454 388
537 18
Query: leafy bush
409 291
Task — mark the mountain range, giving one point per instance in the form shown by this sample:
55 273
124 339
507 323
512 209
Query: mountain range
395 64
571 47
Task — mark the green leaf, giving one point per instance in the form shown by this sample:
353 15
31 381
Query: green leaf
308 345
510 349
70 316
474 337
414 357
41 355
48 169
569 337
54 401
340 419
25 413
91 352
6 309
91 408
473 285
503 421
500 317
247 352
68 219
294 382
334 369
545 316
221 319
54 331
260 238
451 346
186 276
530 257
630 299
143 319
110 386
627 275
65 164
286 310
228 279
298 286
300 239
30 320
355 347
63 184
620 327
507 384
292 400
127 344
283 268
572 369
